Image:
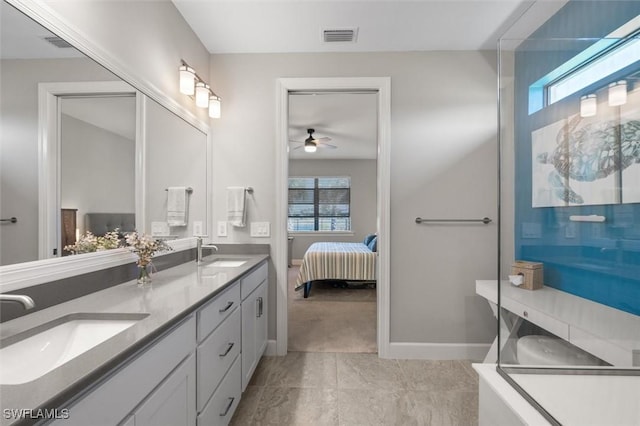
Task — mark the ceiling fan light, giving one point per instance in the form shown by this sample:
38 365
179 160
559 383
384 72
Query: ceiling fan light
310 146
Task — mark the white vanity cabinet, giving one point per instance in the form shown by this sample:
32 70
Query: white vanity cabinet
219 346
160 383
194 374
253 289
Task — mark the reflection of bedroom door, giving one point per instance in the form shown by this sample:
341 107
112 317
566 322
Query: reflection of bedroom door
366 165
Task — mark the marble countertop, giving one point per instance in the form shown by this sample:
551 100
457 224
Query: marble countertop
173 294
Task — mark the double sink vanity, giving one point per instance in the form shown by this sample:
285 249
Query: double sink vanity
178 351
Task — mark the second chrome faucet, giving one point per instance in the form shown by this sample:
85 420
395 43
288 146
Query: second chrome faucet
200 246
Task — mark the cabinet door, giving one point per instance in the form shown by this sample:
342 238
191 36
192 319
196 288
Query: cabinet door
254 331
174 402
261 320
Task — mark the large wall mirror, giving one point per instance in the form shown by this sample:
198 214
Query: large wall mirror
77 143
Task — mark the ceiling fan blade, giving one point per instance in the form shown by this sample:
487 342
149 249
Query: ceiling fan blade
292 141
297 147
323 139
326 145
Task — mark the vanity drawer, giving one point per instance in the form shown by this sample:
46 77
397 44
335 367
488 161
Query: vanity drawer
225 400
549 323
215 355
253 280
212 314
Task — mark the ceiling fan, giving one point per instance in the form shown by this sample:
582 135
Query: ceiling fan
311 144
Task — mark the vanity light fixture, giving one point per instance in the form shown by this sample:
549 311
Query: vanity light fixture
187 80
618 93
191 84
588 106
214 106
202 94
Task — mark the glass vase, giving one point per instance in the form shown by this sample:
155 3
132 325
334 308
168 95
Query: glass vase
144 274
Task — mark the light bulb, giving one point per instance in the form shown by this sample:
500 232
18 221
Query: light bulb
310 147
618 93
214 107
202 95
588 106
187 80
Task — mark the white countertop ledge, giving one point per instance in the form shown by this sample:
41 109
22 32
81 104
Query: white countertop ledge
173 295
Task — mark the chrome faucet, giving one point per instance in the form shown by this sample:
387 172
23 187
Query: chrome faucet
200 246
26 301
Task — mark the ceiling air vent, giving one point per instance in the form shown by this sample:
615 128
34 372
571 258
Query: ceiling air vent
58 42
340 35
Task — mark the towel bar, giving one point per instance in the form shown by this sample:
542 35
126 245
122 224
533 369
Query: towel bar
249 189
10 220
189 190
484 220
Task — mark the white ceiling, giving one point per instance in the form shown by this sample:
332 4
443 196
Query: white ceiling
349 119
116 114
268 26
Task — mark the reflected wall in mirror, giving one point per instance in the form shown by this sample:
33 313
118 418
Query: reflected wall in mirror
167 150
97 163
175 156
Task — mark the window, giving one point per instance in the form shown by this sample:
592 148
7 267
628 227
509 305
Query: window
319 204
602 59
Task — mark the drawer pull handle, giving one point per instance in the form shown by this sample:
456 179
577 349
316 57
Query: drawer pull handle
226 411
259 307
226 308
227 351
526 314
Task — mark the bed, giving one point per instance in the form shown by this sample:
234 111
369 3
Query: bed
337 261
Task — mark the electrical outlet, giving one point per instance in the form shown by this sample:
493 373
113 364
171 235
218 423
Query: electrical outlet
222 228
197 228
260 229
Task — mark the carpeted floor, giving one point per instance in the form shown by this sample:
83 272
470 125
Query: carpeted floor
331 319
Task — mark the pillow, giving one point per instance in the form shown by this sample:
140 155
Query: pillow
373 244
368 239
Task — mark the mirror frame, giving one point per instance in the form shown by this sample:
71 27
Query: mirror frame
21 275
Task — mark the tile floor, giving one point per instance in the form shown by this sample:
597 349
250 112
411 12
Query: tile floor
320 388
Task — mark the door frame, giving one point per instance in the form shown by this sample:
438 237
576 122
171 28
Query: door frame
49 155
381 85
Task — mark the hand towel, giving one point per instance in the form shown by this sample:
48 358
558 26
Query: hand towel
236 206
177 206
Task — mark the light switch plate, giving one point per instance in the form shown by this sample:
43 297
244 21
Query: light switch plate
197 228
260 229
222 228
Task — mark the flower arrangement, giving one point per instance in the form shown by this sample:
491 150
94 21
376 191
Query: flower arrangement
88 243
145 247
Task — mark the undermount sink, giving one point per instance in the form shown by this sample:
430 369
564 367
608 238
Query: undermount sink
228 263
35 352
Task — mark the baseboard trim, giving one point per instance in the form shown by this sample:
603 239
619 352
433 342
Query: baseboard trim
435 351
271 349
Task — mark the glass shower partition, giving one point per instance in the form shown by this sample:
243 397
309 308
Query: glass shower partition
569 294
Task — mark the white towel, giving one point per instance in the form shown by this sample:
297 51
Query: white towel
177 206
236 206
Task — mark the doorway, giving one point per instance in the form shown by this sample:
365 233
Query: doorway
380 87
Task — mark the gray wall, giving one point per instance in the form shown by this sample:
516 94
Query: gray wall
19 145
97 170
363 198
443 164
175 155
149 37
